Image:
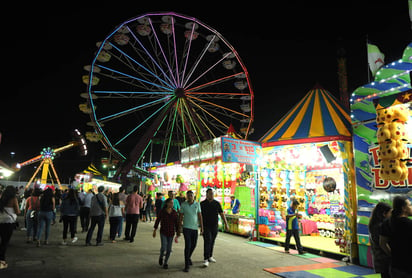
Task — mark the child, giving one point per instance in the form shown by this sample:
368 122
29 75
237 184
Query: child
168 228
292 227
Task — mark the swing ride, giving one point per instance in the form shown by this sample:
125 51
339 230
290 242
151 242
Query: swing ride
46 157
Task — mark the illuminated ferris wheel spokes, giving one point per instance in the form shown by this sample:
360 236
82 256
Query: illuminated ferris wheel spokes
166 81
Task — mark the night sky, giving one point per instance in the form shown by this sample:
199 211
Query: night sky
287 49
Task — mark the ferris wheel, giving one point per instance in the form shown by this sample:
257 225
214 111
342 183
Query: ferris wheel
163 81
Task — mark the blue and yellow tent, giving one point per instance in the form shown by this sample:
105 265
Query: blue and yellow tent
318 117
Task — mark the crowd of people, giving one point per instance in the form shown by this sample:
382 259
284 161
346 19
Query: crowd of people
175 216
390 226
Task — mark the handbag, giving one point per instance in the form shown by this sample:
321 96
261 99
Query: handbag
34 212
6 217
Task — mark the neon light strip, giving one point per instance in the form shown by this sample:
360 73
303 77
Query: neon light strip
188 51
224 57
183 123
214 81
214 104
132 109
164 55
197 62
171 134
214 93
148 118
150 56
211 115
191 121
140 65
133 92
175 50
133 77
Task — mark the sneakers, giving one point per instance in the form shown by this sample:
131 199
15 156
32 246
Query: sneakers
206 263
212 260
64 242
74 239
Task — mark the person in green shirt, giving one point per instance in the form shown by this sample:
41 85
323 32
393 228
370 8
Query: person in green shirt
190 218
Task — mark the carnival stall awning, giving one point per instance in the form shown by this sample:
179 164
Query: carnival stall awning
317 117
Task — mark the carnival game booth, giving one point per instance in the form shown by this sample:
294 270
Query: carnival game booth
173 177
382 127
229 166
307 156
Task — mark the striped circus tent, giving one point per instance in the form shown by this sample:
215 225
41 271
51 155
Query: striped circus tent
318 117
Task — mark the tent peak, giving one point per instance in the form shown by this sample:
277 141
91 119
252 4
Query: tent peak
318 86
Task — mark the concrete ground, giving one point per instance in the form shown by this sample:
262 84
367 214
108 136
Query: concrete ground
235 257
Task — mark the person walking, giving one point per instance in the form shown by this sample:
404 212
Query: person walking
292 227
116 213
169 226
381 261
98 215
46 215
122 199
176 205
395 238
190 217
32 214
9 209
158 203
134 202
85 200
69 210
149 205
211 209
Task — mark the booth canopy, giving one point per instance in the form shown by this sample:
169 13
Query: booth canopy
317 117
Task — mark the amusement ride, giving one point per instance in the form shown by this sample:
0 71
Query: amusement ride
163 81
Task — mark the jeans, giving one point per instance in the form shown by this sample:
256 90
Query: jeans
31 225
69 220
6 230
295 234
115 221
120 228
45 219
166 246
84 218
131 222
99 221
190 243
209 236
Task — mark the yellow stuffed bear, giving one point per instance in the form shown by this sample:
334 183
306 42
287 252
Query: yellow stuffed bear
393 169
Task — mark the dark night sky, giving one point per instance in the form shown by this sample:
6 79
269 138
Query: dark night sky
286 49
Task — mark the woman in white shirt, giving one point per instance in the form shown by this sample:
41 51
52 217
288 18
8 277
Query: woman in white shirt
116 214
9 209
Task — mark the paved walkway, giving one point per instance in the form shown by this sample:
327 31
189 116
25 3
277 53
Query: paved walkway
235 257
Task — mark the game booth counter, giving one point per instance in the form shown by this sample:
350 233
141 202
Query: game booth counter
173 177
307 156
229 166
382 127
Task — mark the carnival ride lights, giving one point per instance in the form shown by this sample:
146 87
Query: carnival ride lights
47 155
161 82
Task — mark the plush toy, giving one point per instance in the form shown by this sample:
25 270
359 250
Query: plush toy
384 116
389 150
393 169
400 113
397 130
384 133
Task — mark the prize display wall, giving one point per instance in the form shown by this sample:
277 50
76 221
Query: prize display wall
312 174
